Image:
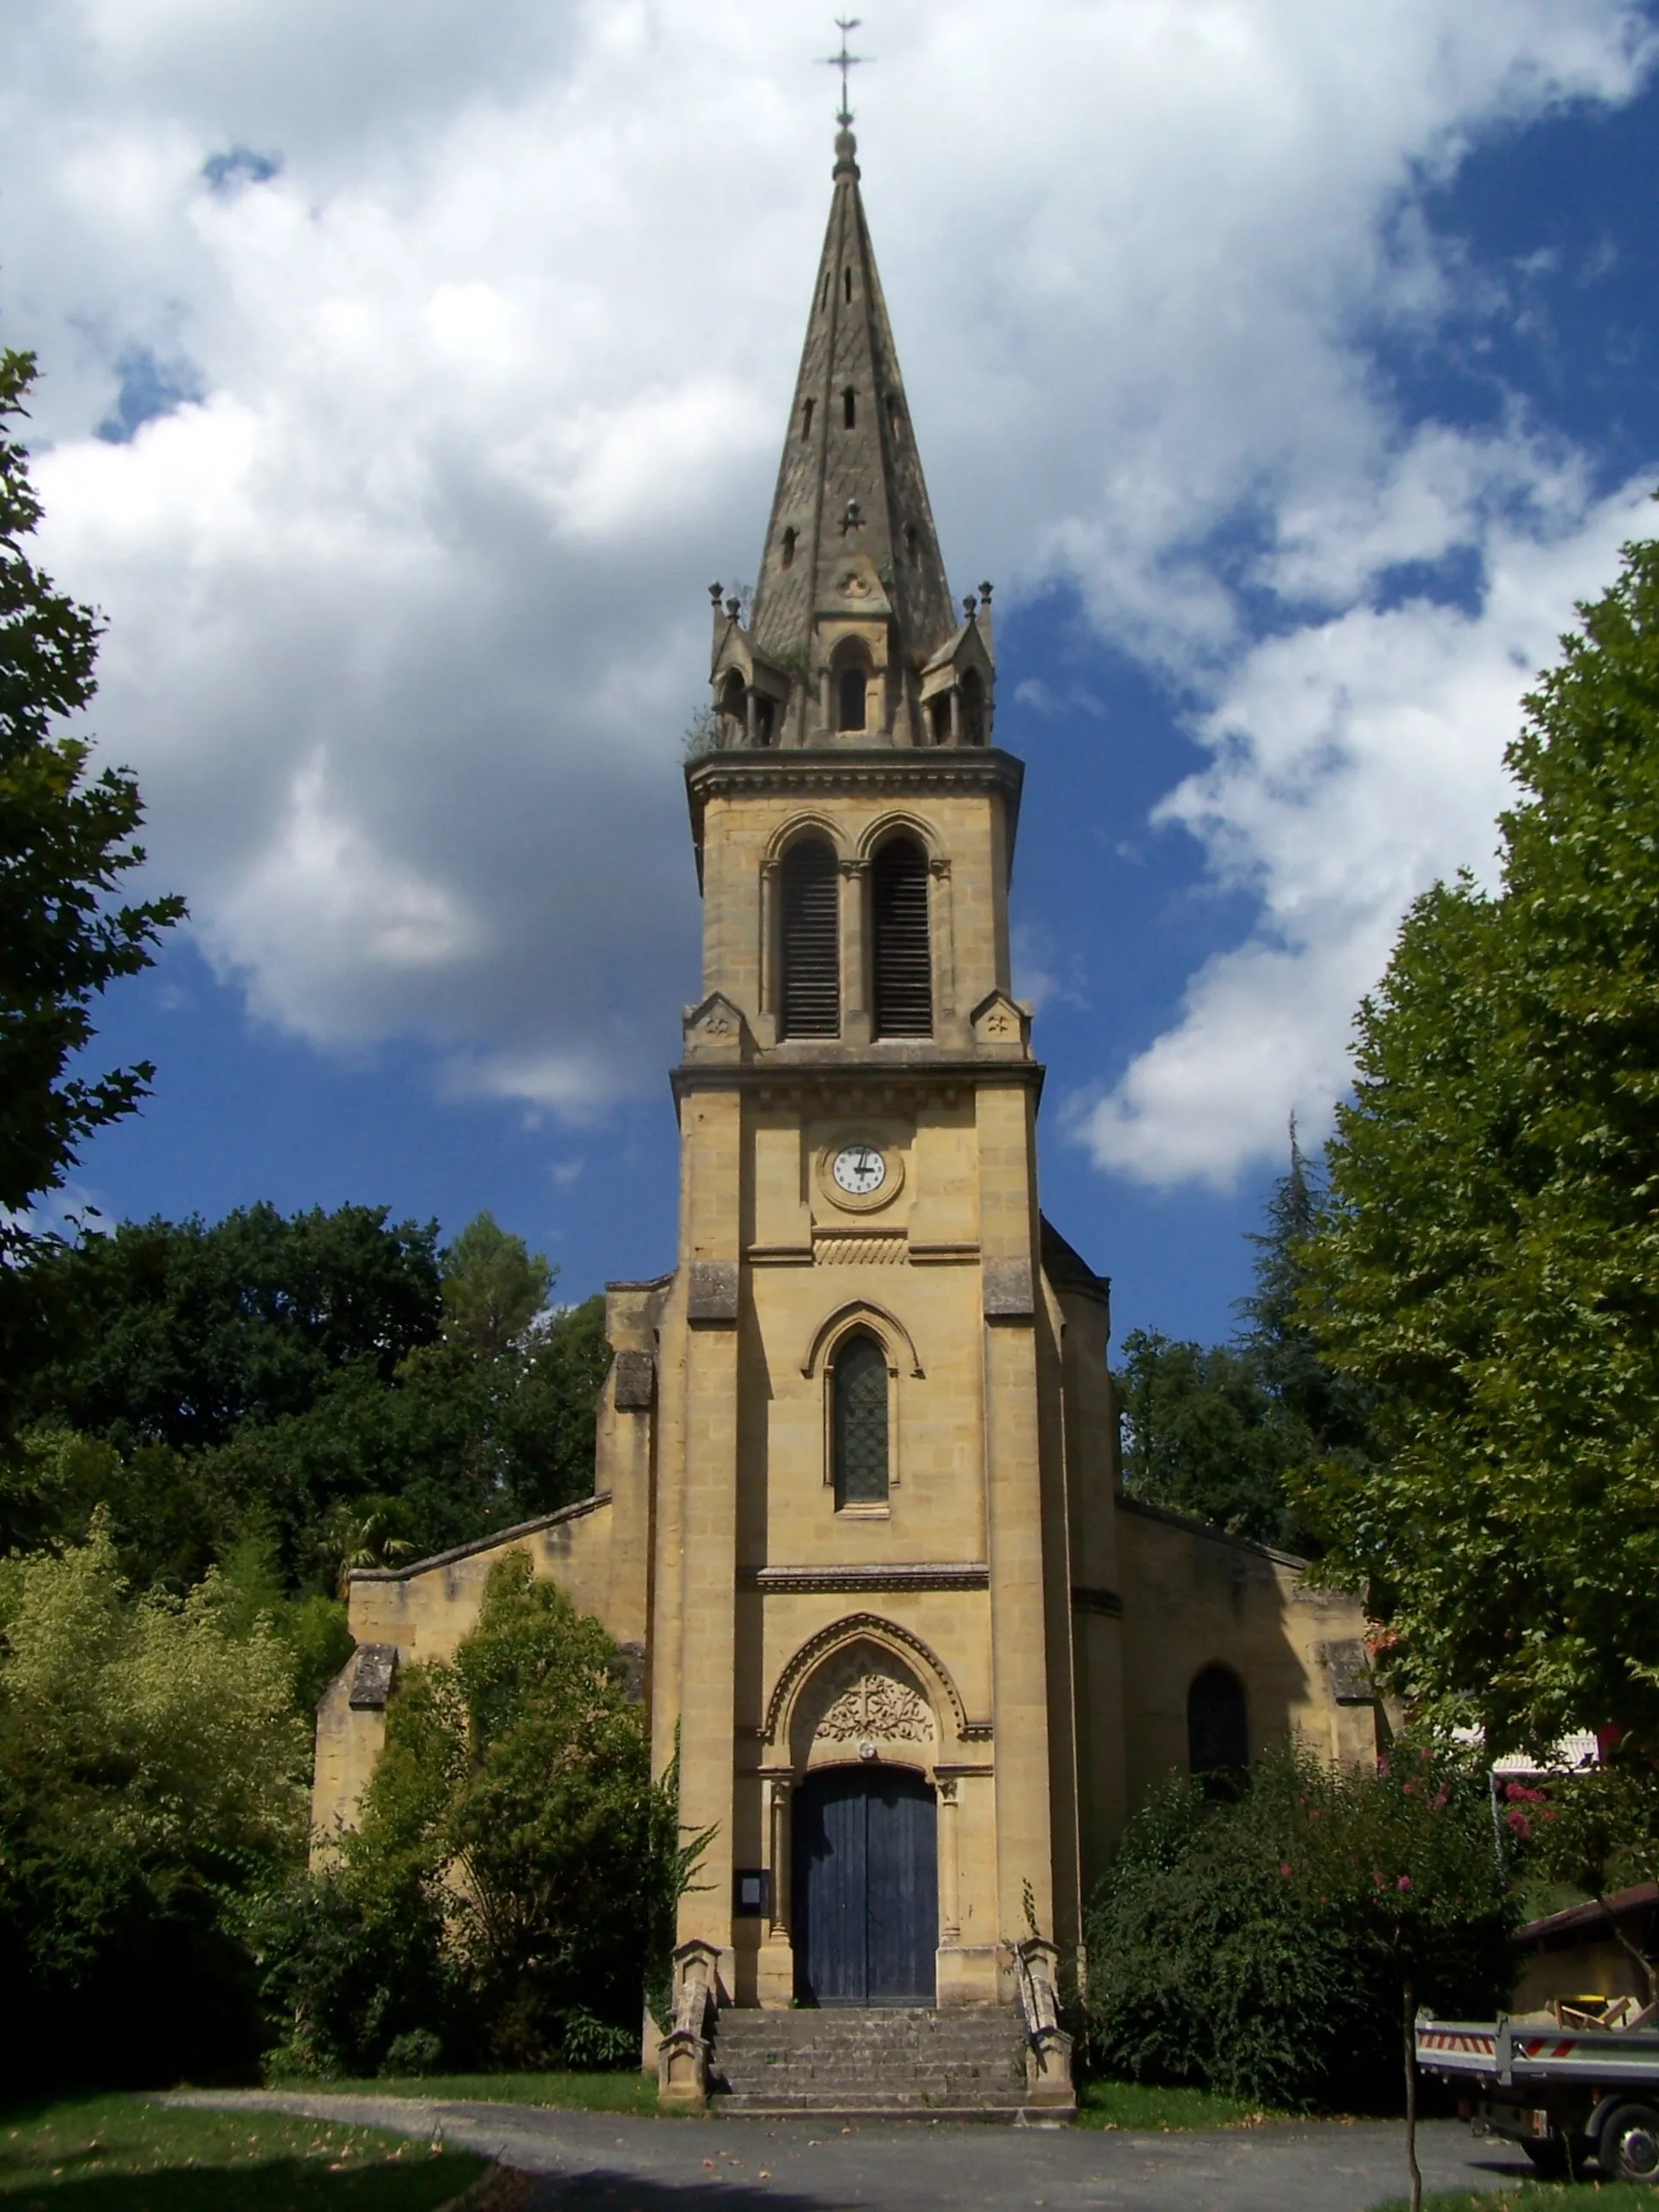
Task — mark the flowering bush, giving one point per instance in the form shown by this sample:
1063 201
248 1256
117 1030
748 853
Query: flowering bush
1273 1947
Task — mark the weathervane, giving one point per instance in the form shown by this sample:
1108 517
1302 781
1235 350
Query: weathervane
843 61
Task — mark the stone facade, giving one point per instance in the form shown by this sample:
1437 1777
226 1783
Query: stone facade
959 1591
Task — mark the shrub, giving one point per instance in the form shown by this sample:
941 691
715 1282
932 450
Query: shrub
512 1884
1267 1948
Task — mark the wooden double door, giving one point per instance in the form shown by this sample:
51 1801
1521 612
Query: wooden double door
866 1895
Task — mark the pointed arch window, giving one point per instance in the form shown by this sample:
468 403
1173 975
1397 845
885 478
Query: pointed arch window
849 408
846 281
1217 1731
857 1387
807 419
901 961
787 556
811 886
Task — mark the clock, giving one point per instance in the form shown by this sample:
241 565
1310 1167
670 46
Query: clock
859 1170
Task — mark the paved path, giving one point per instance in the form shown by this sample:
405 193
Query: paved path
601 2162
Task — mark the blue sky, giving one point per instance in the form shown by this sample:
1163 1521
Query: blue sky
1291 371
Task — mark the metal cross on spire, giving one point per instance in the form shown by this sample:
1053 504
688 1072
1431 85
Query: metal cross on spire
843 61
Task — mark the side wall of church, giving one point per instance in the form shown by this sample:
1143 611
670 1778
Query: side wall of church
1193 1600
422 1613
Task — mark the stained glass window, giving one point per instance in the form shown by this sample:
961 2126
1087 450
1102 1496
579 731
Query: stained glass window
860 1423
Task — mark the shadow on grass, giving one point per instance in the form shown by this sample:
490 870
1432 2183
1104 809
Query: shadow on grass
284 2184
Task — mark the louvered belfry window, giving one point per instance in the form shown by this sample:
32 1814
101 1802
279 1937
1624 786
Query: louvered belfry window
902 959
860 1422
812 940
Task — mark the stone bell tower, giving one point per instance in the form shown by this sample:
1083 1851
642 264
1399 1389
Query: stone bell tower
866 1532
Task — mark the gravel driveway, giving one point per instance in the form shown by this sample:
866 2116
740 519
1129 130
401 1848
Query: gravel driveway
600 2162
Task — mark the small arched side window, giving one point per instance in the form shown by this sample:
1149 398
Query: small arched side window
807 419
859 1422
849 408
902 958
809 1001
1217 1731
910 542
847 280
765 717
938 714
786 557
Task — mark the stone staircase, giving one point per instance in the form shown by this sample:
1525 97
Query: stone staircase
899 2064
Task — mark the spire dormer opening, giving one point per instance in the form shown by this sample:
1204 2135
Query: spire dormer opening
849 408
973 707
849 668
847 280
786 553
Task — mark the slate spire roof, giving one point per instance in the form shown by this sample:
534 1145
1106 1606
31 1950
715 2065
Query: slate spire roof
850 487
851 559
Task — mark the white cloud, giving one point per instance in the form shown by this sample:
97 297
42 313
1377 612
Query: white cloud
407 613
1355 762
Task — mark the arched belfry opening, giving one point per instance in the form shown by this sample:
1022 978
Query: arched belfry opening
809 1001
900 951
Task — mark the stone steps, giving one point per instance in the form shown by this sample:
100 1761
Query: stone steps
895 2063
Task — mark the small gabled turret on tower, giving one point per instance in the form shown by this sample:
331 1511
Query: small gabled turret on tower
852 640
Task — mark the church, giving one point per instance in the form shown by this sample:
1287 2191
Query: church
856 1515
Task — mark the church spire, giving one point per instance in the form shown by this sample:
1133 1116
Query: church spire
851 590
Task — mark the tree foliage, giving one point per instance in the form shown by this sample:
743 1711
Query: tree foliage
1489 1272
1236 1434
334 1384
66 842
151 1767
1271 1946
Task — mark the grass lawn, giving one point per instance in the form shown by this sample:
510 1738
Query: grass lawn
1132 2104
629 2092
124 2154
1541 2196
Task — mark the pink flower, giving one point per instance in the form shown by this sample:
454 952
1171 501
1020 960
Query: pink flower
1441 1798
1404 1882
1283 1866
1518 1823
1407 1788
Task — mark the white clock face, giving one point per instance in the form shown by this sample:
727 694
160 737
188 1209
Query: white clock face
859 1171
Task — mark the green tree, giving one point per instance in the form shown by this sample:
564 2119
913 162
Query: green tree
151 1768
1197 1435
494 1288
66 842
183 1332
1489 1268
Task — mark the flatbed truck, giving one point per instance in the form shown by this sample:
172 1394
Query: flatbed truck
1569 2096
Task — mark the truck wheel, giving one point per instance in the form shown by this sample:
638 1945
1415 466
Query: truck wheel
1630 2144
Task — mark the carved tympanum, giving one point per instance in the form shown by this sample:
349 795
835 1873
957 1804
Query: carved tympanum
879 1708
